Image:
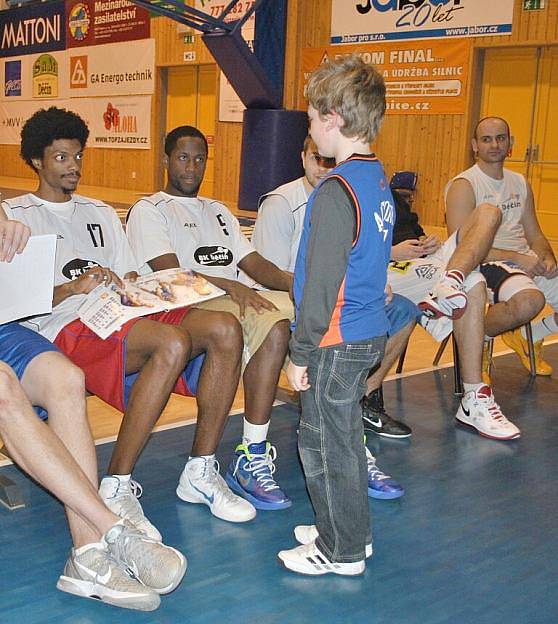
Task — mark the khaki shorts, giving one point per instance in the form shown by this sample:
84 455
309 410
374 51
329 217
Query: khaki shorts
255 327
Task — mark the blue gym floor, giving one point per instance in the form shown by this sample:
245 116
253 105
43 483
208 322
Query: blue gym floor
473 541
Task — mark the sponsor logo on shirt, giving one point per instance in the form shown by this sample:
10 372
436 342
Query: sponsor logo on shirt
426 271
214 255
401 267
511 203
191 225
76 267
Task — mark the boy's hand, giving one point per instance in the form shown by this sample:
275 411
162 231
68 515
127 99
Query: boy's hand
388 292
298 377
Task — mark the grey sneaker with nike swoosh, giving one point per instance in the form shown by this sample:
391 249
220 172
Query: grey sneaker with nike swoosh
200 482
154 564
92 572
376 420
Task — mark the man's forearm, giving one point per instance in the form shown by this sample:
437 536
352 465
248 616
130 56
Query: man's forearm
265 272
503 255
61 293
542 248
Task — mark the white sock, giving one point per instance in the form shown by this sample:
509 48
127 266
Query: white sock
196 464
108 487
542 328
468 387
204 457
122 478
254 434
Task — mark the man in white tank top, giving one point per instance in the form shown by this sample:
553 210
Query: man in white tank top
521 265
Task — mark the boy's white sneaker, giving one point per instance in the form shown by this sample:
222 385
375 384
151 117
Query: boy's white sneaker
306 533
307 559
479 410
121 497
200 482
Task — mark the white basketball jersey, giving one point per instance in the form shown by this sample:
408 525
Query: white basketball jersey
89 234
509 195
279 224
202 232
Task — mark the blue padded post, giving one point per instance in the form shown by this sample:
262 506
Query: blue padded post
242 69
271 145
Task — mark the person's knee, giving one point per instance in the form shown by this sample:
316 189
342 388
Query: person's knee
224 332
489 215
477 296
526 305
402 314
277 340
173 347
9 391
67 376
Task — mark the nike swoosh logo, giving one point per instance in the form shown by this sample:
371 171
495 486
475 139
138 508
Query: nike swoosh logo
102 579
375 423
209 499
466 412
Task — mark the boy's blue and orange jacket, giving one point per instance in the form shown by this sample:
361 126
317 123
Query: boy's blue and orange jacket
341 267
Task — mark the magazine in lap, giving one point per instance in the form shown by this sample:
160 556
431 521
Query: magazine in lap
107 308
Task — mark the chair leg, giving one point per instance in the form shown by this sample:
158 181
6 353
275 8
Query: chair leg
402 359
457 381
531 349
440 351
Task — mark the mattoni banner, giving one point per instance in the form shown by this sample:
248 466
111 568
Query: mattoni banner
363 21
34 28
421 77
81 72
120 122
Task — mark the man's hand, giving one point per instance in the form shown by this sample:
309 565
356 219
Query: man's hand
245 297
298 377
530 263
87 282
407 250
549 262
430 244
13 238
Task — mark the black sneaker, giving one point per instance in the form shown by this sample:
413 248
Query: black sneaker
375 419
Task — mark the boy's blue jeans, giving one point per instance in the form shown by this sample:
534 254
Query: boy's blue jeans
331 445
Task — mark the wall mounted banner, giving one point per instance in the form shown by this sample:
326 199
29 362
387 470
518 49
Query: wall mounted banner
120 122
422 78
33 28
92 22
362 21
81 72
112 69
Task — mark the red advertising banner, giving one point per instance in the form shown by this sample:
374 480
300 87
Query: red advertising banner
422 77
92 22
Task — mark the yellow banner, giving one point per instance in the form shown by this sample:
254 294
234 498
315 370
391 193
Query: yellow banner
422 77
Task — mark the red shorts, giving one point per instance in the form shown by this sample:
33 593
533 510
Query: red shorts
104 361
